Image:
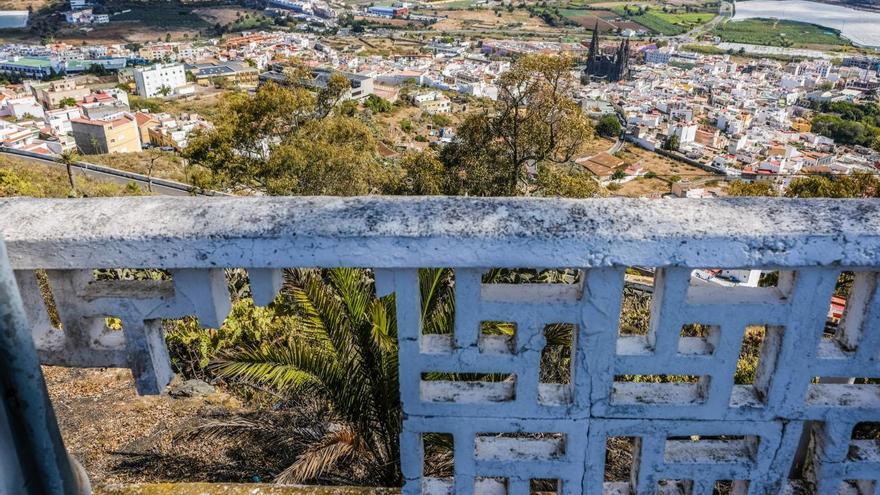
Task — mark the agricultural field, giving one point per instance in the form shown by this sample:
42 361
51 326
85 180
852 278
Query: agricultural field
687 20
666 23
774 32
657 24
476 19
590 18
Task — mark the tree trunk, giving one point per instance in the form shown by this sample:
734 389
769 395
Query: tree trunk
70 176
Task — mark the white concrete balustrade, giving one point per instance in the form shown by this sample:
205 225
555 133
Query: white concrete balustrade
790 430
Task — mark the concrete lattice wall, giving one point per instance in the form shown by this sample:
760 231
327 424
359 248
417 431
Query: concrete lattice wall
509 432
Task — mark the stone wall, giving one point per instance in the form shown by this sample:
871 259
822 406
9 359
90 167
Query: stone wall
810 391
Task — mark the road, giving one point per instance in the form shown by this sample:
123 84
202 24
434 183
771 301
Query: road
724 12
108 174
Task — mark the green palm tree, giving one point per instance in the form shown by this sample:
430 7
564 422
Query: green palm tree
342 348
338 342
69 159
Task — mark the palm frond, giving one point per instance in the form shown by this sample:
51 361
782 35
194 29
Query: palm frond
284 369
323 456
228 427
438 300
383 331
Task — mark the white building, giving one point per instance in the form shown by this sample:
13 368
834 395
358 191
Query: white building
59 120
152 81
86 16
22 107
657 57
432 102
686 132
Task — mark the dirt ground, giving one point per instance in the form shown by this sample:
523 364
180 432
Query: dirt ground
487 19
24 4
597 145
224 15
660 165
641 187
123 31
121 437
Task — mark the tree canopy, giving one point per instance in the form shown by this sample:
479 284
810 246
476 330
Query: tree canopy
289 140
534 121
856 185
608 126
296 139
849 123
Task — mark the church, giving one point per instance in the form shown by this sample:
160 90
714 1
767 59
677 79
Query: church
606 67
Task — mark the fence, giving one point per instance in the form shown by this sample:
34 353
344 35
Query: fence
670 395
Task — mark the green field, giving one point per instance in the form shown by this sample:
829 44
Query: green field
172 15
687 20
666 23
778 33
652 21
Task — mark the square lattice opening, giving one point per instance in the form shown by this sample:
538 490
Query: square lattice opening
497 337
490 486
545 486
674 487
846 323
865 442
621 455
635 308
697 339
731 487
439 455
739 286
756 364
836 391
557 364
858 487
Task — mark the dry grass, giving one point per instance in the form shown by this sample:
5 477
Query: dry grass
488 19
24 4
643 187
166 165
225 15
121 437
660 165
597 145
26 178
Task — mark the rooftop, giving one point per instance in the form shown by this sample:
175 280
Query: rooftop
37 63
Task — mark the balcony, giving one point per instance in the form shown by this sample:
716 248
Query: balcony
789 431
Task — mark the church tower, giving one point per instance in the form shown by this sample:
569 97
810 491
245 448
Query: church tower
606 67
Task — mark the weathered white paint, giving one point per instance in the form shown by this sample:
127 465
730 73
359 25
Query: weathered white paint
551 430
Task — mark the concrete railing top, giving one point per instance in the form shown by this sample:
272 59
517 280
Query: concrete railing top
418 232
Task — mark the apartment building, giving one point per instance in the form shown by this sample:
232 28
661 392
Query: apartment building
235 74
161 80
120 135
432 102
51 94
59 120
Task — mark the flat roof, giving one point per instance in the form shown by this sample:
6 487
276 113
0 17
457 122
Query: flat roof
29 62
